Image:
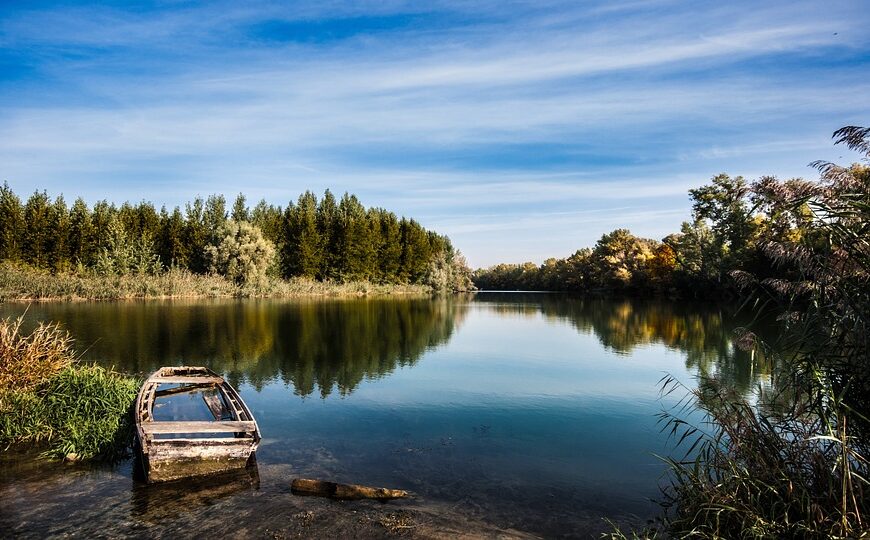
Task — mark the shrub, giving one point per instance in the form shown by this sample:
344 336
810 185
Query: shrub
83 412
28 360
242 254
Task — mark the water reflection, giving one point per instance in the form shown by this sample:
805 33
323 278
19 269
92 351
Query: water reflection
153 504
703 333
313 345
535 412
321 346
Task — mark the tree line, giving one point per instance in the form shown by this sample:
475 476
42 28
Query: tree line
326 239
732 223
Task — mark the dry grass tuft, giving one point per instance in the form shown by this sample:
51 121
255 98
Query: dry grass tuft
28 360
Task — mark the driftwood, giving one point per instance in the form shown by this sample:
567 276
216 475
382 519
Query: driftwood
347 492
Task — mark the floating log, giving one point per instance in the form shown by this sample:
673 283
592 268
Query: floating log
346 492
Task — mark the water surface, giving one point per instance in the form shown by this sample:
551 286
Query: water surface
531 412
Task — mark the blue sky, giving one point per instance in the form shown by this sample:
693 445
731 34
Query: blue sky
522 130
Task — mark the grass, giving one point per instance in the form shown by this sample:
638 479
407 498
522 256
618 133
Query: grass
26 361
23 283
47 398
792 475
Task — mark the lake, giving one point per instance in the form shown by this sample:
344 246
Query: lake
502 412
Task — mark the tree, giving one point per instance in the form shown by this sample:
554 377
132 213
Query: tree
81 231
58 236
242 254
389 249
355 249
621 259
196 236
302 249
11 224
117 258
327 225
171 247
724 203
415 251
37 230
214 217
240 209
270 220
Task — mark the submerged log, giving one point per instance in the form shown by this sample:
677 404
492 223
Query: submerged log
347 492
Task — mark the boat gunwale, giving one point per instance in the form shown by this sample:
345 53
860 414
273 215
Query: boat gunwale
147 396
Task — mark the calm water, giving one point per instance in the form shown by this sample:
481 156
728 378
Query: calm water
529 411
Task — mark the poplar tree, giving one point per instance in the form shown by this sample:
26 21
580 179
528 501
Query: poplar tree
327 227
80 234
11 224
240 209
172 248
196 236
36 229
301 252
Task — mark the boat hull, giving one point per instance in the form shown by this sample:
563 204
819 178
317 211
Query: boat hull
173 449
171 460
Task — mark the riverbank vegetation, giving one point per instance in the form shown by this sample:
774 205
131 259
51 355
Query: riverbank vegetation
310 247
733 224
793 463
47 398
24 283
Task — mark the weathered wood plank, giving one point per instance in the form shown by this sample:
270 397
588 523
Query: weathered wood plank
197 427
186 379
319 488
203 441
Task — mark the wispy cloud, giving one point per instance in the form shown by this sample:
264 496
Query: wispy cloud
521 109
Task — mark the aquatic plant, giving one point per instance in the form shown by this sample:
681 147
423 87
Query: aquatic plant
28 360
80 413
22 282
46 397
796 467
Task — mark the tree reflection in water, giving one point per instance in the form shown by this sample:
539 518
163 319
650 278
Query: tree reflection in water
331 345
703 332
321 345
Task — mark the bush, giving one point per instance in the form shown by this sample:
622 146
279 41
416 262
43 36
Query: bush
242 254
83 412
28 360
78 411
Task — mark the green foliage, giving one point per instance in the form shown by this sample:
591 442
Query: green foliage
241 254
11 224
795 465
303 246
82 412
324 240
49 399
240 209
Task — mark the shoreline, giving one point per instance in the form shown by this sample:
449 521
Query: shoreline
21 284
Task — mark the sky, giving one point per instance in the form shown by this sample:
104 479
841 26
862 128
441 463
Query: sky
522 130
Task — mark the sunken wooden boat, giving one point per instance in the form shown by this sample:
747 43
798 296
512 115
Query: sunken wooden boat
222 434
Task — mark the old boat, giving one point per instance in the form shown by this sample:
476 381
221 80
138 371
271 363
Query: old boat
173 447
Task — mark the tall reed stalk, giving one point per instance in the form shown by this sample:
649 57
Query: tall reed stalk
794 465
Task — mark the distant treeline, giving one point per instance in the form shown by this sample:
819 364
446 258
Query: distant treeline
733 222
321 239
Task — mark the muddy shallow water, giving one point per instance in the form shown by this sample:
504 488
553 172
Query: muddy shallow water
504 414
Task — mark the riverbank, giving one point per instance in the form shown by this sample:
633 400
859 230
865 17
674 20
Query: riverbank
49 400
27 284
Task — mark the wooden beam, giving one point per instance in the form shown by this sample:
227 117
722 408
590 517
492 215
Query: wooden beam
186 379
197 427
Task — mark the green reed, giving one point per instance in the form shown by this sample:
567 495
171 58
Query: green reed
74 410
